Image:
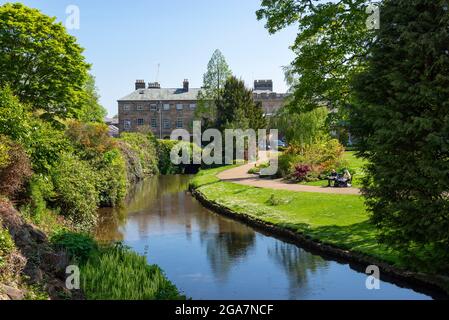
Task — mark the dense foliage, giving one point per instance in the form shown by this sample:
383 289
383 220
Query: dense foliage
75 190
401 119
304 128
319 158
330 47
40 61
117 273
6 247
16 168
79 246
236 108
144 146
166 166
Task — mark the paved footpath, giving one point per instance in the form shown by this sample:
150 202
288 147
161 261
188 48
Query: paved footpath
241 176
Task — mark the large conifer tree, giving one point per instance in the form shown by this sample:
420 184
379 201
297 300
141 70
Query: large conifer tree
401 119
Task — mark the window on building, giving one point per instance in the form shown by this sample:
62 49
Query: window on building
192 106
179 123
153 107
166 106
179 106
166 124
127 124
126 107
140 107
154 123
140 122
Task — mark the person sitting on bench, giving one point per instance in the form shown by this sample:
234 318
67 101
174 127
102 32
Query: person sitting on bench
345 180
332 177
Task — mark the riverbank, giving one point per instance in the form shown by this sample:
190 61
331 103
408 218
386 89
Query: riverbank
45 221
335 225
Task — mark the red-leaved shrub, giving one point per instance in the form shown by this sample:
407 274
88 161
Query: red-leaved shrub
301 171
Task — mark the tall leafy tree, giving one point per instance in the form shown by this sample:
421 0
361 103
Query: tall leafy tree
214 81
40 61
401 119
331 46
237 109
91 110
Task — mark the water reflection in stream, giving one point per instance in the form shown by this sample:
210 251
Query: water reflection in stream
208 256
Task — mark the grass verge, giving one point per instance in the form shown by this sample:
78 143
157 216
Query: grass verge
338 220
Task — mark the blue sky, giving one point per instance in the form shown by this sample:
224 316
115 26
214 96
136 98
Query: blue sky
126 40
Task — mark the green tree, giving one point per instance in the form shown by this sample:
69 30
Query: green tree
90 108
302 129
40 61
331 45
214 81
401 120
237 109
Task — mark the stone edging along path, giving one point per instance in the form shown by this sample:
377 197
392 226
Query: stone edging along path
432 285
241 176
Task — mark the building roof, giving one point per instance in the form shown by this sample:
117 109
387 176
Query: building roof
111 121
163 94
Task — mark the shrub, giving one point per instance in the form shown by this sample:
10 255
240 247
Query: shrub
91 140
320 157
326 153
14 118
46 145
93 144
111 182
286 163
165 164
144 145
6 246
164 148
78 245
301 171
40 189
120 274
16 171
75 190
134 171
4 155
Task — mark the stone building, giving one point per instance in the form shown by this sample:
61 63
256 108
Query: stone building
161 109
271 101
166 109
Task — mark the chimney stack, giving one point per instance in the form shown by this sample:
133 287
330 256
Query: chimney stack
263 85
185 85
154 85
140 84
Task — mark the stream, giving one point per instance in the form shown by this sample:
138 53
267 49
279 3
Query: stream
211 257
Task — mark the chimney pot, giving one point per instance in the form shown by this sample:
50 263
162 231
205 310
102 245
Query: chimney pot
140 84
185 85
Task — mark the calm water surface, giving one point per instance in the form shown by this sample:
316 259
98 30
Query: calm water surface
208 256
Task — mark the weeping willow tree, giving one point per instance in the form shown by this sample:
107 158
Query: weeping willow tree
302 129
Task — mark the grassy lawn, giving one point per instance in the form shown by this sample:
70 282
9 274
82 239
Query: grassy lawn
335 219
355 164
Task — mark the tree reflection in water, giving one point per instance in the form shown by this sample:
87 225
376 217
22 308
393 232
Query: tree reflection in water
297 264
226 246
